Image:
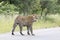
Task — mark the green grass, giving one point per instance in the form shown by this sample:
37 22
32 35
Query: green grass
6 23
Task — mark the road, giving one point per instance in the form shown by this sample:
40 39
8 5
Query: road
40 34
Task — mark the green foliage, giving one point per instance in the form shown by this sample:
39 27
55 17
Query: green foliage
27 6
58 2
30 6
7 8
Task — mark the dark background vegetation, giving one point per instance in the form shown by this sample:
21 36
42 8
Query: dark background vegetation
29 6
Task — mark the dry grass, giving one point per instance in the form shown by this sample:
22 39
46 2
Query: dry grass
6 23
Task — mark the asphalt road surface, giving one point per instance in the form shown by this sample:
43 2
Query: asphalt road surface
40 34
